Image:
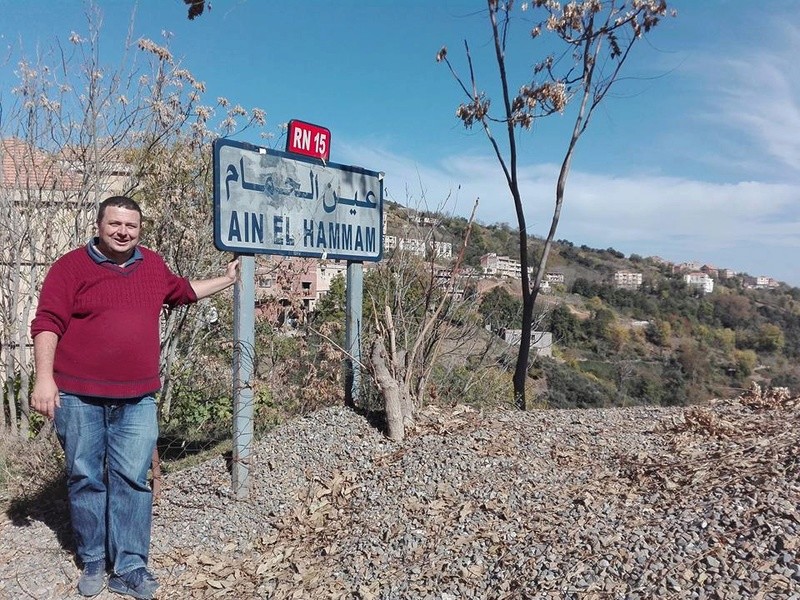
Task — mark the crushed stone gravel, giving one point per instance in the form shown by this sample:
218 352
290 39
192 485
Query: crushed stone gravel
625 503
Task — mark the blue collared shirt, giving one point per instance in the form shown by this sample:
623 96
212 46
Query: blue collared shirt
99 257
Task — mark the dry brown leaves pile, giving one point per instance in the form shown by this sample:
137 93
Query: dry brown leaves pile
722 445
278 564
285 563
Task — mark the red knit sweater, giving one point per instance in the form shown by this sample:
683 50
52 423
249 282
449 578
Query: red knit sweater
107 321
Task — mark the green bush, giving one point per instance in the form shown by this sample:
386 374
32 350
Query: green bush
463 385
568 388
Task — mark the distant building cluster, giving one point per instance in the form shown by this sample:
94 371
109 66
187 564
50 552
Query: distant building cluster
305 281
417 247
702 276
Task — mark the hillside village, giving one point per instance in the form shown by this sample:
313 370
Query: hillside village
311 278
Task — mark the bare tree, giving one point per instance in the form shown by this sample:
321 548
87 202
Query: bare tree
597 37
411 319
75 130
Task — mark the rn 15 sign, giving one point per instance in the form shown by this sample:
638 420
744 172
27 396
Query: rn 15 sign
308 139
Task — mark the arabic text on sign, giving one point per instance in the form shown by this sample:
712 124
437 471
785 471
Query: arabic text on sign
330 199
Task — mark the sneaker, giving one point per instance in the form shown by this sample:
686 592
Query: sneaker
93 578
139 583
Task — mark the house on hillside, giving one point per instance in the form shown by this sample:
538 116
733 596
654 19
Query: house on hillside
684 267
417 247
501 266
710 270
296 282
541 341
628 280
700 280
47 203
760 282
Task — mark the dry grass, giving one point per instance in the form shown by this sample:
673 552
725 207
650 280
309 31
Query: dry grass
27 467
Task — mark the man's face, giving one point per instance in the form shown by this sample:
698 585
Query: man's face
118 233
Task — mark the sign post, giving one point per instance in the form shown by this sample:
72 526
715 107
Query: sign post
272 202
243 363
353 312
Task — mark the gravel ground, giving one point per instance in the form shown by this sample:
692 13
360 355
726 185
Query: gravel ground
632 503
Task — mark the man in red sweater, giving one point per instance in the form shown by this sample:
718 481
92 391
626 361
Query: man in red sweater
96 348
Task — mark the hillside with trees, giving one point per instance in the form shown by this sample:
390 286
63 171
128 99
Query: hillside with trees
664 343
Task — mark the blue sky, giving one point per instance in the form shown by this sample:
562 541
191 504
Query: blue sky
695 157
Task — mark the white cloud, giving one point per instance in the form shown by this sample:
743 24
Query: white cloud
676 218
757 93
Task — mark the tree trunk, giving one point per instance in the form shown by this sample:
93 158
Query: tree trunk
389 390
155 469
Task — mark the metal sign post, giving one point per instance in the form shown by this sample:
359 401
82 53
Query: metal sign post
243 362
271 202
353 310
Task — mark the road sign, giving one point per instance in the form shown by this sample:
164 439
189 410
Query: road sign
308 139
270 202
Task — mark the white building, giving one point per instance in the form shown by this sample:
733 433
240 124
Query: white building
501 266
627 279
700 280
541 341
418 247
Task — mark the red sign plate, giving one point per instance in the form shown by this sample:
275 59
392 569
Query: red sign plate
308 139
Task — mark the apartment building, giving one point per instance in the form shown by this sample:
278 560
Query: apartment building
501 266
553 277
627 279
417 247
47 206
293 281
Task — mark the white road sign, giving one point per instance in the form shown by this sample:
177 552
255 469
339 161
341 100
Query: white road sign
271 202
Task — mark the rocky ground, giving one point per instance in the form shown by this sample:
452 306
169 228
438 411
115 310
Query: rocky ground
632 503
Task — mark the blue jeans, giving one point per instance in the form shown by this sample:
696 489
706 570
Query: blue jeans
108 447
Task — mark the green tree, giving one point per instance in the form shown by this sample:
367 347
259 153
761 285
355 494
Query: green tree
744 362
564 326
770 338
500 309
733 310
725 339
659 333
675 385
600 324
331 306
694 361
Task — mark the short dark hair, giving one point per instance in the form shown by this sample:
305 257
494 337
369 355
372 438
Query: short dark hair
119 202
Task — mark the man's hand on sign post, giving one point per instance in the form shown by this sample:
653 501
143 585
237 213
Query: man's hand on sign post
232 271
